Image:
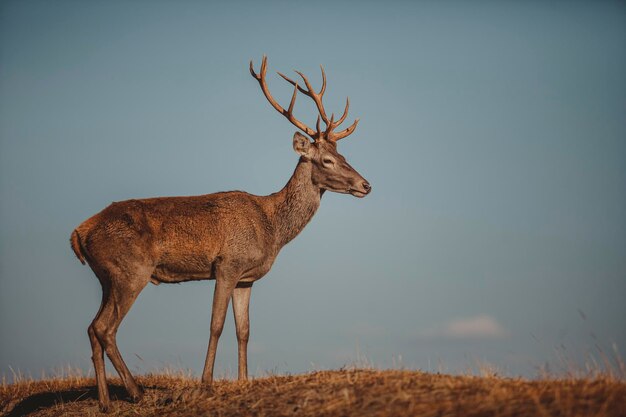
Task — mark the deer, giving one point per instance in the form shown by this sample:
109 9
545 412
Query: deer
230 237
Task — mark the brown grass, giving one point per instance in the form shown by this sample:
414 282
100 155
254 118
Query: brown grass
347 392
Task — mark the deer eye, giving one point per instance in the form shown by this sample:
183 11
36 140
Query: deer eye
328 161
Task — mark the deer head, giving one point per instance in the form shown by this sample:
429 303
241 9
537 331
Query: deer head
330 170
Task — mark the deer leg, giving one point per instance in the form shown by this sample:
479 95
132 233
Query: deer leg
241 303
106 324
97 356
221 297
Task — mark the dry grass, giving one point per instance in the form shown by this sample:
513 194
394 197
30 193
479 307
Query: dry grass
347 392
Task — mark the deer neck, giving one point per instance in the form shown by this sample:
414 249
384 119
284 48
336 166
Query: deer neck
296 203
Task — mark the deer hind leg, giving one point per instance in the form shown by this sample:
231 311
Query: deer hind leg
241 303
124 289
97 356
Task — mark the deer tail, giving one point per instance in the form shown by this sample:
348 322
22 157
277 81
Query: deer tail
77 246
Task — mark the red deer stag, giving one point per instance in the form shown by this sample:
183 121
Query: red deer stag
230 237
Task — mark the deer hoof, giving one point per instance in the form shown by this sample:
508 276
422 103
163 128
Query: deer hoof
137 397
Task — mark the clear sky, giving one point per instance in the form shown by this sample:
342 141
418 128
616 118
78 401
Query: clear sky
493 134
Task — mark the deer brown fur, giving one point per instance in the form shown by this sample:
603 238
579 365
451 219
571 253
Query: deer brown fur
230 237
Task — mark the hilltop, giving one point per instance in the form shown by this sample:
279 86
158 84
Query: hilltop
346 392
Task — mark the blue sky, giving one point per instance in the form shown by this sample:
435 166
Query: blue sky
493 134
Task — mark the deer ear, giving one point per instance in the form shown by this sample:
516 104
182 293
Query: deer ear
302 145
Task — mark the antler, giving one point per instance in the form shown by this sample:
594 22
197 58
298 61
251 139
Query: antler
317 134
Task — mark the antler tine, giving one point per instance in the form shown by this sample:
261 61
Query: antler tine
317 97
292 82
310 92
287 113
317 124
329 128
334 137
345 113
252 71
293 100
306 82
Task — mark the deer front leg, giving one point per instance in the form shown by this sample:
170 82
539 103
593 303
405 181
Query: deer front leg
221 297
241 302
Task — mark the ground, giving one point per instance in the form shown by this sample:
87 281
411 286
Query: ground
345 392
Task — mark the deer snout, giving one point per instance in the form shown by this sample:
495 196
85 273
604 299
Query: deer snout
362 189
